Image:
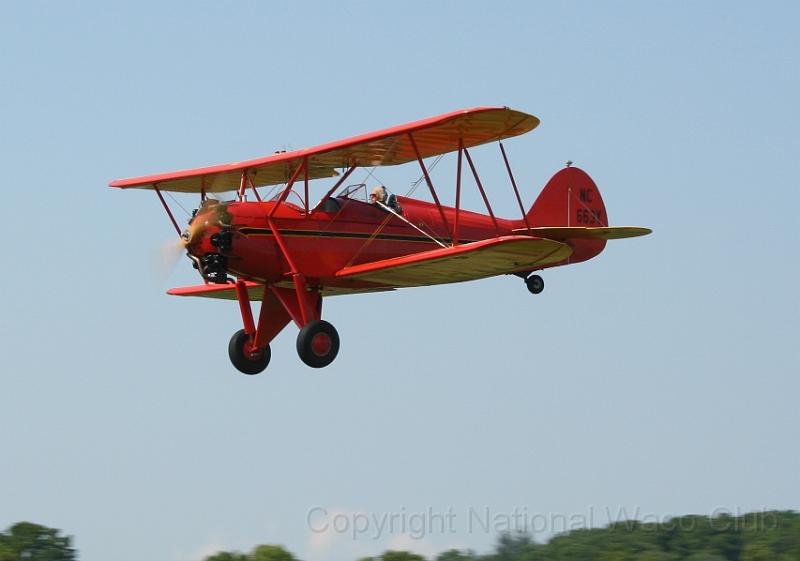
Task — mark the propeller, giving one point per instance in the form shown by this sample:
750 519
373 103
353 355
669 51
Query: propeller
167 257
212 213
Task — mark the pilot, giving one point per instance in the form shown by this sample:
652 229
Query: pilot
379 195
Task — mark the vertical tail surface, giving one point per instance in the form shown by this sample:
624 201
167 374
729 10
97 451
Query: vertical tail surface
571 198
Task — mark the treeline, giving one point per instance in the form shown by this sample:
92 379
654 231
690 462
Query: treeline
32 542
764 536
773 536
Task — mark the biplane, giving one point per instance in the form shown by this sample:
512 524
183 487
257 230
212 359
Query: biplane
291 254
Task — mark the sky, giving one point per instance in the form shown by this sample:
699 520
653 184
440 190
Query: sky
656 380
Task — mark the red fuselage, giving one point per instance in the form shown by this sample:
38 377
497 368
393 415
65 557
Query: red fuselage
347 232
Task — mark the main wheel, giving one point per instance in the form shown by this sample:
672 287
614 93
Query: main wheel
318 343
249 363
535 284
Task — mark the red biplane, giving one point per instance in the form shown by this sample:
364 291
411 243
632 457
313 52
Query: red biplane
289 254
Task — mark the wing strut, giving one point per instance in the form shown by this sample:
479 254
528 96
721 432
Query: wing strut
305 184
253 187
288 187
330 192
246 181
169 212
483 193
429 182
514 185
458 189
242 185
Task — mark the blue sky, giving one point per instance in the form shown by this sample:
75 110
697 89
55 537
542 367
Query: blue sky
658 379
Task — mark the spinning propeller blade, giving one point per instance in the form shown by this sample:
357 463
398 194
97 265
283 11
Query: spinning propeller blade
168 255
210 213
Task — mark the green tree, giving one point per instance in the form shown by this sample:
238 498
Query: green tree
6 553
401 556
514 547
654 555
705 556
270 553
33 542
227 556
757 552
456 555
763 536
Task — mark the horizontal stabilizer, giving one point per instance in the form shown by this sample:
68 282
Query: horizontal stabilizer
579 232
476 260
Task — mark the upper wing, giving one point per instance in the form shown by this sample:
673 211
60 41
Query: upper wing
434 136
580 232
485 258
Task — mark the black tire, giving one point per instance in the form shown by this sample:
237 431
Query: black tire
535 284
245 362
318 343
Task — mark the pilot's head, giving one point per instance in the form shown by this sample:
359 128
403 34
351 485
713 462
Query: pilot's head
378 195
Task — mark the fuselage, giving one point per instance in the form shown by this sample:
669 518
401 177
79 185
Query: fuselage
344 232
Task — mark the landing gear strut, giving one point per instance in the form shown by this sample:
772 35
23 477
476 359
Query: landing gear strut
535 284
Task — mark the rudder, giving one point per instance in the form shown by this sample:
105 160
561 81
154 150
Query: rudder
570 198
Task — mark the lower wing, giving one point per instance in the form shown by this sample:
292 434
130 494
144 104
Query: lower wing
476 260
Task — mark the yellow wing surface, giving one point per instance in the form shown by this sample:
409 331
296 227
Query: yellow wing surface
476 260
392 146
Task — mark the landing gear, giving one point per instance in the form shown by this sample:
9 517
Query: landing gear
245 360
317 343
535 284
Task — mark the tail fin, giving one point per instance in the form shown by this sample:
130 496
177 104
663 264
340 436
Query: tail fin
570 198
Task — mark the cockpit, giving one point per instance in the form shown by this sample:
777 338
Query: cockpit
356 192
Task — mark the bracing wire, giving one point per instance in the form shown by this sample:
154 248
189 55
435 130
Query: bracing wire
404 219
416 183
174 200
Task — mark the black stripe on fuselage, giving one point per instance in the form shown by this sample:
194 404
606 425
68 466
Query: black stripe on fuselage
346 235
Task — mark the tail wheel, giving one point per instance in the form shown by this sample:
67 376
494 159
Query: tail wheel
318 343
535 284
244 361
